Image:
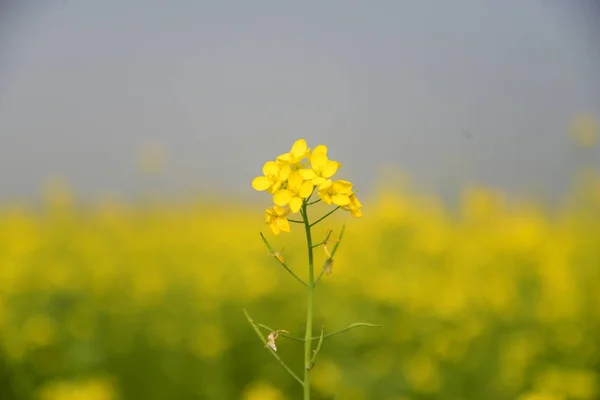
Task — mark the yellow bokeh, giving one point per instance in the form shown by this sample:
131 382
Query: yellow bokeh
496 298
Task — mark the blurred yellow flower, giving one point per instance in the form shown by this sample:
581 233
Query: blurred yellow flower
263 391
89 389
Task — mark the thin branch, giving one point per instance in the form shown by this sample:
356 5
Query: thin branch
349 327
316 352
326 240
319 277
332 251
313 202
325 216
295 221
281 262
338 241
264 340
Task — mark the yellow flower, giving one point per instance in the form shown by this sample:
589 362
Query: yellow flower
276 217
297 190
322 167
298 152
354 206
337 192
274 176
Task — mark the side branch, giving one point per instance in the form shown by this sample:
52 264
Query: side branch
349 327
264 340
324 216
281 262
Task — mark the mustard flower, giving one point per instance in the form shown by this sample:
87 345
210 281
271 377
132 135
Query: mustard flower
274 176
337 192
276 218
296 155
322 168
297 190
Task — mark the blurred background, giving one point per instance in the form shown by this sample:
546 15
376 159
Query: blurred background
130 133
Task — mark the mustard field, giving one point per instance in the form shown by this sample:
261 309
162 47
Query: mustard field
495 298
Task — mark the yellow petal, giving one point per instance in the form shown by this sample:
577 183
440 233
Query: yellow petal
295 181
305 189
284 158
325 185
325 198
340 199
343 187
261 183
356 213
330 169
355 202
284 172
280 211
275 187
282 197
295 204
268 218
299 149
274 227
320 149
283 224
318 181
270 168
318 161
307 174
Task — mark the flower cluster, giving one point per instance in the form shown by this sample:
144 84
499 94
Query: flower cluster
292 179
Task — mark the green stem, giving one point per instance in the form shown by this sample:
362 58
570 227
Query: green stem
309 304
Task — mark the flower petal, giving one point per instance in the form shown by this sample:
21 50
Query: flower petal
356 213
295 181
318 161
270 168
280 211
330 169
325 186
305 189
261 183
320 149
355 202
295 204
283 224
274 227
340 199
307 174
284 172
325 198
342 186
298 149
284 158
318 181
282 197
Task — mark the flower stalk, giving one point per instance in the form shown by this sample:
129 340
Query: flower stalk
309 304
292 180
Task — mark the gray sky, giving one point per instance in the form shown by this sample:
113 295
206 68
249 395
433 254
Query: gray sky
450 92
